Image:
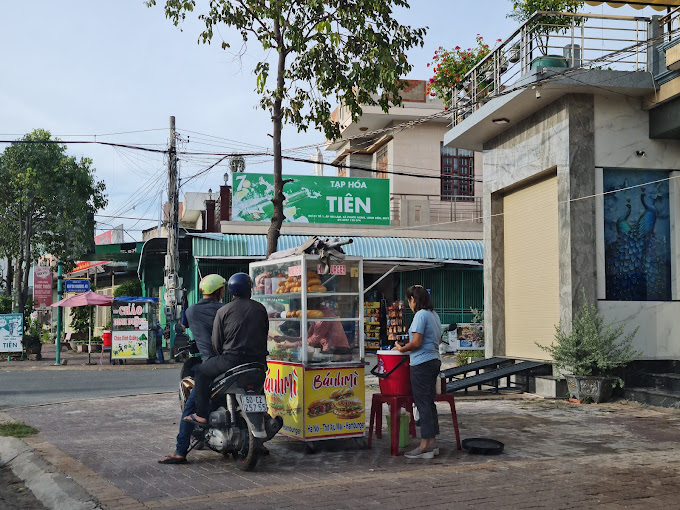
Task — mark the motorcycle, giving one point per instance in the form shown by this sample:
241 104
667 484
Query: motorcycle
238 423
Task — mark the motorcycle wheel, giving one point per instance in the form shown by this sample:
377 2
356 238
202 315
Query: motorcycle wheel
188 367
247 457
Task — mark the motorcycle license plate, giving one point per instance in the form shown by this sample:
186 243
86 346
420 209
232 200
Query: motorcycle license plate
255 403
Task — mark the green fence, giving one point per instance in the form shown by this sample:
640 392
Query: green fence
454 291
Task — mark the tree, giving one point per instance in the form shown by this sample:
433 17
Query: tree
346 49
543 26
129 288
47 204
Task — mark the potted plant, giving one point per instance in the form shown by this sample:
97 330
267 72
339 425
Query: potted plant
590 353
542 27
451 66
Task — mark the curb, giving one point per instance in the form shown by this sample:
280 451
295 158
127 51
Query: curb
51 487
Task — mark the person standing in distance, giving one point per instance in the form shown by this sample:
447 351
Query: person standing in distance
239 336
199 318
423 349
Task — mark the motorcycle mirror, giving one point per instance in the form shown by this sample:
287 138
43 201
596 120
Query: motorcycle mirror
452 326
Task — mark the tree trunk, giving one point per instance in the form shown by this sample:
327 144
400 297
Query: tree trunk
28 259
18 274
277 120
9 278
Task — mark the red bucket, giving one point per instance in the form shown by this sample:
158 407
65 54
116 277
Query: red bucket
106 337
393 372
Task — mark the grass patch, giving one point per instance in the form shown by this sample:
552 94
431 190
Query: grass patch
17 430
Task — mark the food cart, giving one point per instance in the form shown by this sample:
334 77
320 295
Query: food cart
131 336
315 375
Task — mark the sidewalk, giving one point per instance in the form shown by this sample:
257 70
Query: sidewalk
73 360
557 455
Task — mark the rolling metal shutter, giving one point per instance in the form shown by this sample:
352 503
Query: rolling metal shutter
532 306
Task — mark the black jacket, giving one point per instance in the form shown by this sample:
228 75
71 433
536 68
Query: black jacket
241 329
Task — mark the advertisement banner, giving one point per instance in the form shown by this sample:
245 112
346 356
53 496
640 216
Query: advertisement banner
114 236
130 344
76 286
334 402
11 332
313 199
42 286
284 396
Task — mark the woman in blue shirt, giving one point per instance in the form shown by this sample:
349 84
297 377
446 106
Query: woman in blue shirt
423 349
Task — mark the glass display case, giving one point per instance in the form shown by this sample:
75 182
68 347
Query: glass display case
315 376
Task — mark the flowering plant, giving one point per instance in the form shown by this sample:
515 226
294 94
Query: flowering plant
451 66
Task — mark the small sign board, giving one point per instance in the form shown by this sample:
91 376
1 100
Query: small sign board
78 286
11 332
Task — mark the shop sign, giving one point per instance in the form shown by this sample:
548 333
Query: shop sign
313 199
129 316
334 402
114 236
11 332
284 397
42 286
77 286
129 344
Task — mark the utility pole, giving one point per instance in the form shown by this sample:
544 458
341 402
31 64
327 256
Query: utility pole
173 283
60 310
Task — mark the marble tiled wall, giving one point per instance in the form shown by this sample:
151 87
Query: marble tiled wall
559 138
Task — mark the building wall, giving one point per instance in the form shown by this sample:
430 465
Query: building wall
621 129
557 139
417 150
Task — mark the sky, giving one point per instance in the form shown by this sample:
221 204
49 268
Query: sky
119 70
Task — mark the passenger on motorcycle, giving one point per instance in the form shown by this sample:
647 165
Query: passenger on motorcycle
239 336
199 318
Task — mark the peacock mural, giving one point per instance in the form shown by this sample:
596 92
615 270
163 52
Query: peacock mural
637 235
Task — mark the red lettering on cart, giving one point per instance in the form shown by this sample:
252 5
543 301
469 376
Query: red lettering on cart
337 381
282 385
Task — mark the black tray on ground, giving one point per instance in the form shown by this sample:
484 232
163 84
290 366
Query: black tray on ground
483 446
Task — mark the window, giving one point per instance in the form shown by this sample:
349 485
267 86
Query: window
457 171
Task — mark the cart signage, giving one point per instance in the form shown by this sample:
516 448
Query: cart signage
334 402
130 316
11 332
129 344
313 199
283 397
336 269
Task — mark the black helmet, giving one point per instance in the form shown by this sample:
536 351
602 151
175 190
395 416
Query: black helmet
240 285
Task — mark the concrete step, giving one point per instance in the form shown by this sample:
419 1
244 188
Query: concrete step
665 382
652 396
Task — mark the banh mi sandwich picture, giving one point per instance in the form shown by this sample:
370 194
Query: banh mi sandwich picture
319 407
342 393
348 408
277 405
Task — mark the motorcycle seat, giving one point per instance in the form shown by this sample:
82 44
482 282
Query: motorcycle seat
227 378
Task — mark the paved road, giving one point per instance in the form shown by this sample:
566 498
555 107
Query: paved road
35 387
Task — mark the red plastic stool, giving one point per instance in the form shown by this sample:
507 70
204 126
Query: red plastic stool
448 397
396 402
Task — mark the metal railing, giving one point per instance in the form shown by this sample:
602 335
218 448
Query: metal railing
670 24
443 213
563 40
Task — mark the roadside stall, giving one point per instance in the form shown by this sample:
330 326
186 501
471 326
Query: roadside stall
315 376
131 333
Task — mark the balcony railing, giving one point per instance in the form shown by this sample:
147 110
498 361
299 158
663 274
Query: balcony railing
590 41
445 214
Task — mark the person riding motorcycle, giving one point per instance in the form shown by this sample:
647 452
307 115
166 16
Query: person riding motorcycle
239 336
199 318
